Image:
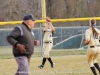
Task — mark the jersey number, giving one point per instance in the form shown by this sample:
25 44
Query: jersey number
95 36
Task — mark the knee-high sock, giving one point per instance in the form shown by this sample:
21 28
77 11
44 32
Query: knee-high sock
43 61
50 60
93 70
97 66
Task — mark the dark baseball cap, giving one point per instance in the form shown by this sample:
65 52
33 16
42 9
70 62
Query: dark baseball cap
29 17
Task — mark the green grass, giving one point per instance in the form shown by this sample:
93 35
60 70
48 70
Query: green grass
64 65
6 52
67 62
67 52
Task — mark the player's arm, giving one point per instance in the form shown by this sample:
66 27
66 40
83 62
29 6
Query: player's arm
47 24
87 38
98 33
46 27
87 42
53 29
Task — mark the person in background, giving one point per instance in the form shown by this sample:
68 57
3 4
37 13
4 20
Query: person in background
47 42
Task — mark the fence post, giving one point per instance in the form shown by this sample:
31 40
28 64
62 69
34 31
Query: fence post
41 38
61 38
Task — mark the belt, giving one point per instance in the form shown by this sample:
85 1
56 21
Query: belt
94 46
47 42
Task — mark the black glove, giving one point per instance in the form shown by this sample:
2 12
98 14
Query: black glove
21 48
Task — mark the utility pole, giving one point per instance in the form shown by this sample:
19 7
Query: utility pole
43 5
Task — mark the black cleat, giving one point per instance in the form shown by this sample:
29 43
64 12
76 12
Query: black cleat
52 65
41 66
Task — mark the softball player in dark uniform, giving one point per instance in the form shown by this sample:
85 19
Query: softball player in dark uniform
47 42
92 40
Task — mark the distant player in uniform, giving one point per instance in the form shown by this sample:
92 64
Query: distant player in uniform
47 42
92 40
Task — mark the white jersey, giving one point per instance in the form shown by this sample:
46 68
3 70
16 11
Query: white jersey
48 36
94 39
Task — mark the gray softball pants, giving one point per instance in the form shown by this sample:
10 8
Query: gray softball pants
23 65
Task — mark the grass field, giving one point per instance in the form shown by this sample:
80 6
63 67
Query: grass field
67 62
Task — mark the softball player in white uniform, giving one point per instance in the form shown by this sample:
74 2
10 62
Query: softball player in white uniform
47 42
92 40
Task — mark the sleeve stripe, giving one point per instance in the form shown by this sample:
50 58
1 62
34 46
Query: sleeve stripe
20 30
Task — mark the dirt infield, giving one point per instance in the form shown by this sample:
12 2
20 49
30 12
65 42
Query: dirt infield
64 65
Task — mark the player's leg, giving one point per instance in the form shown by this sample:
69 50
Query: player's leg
49 58
93 70
90 61
46 53
95 62
43 62
52 63
44 57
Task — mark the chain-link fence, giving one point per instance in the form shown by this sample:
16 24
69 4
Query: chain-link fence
67 37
